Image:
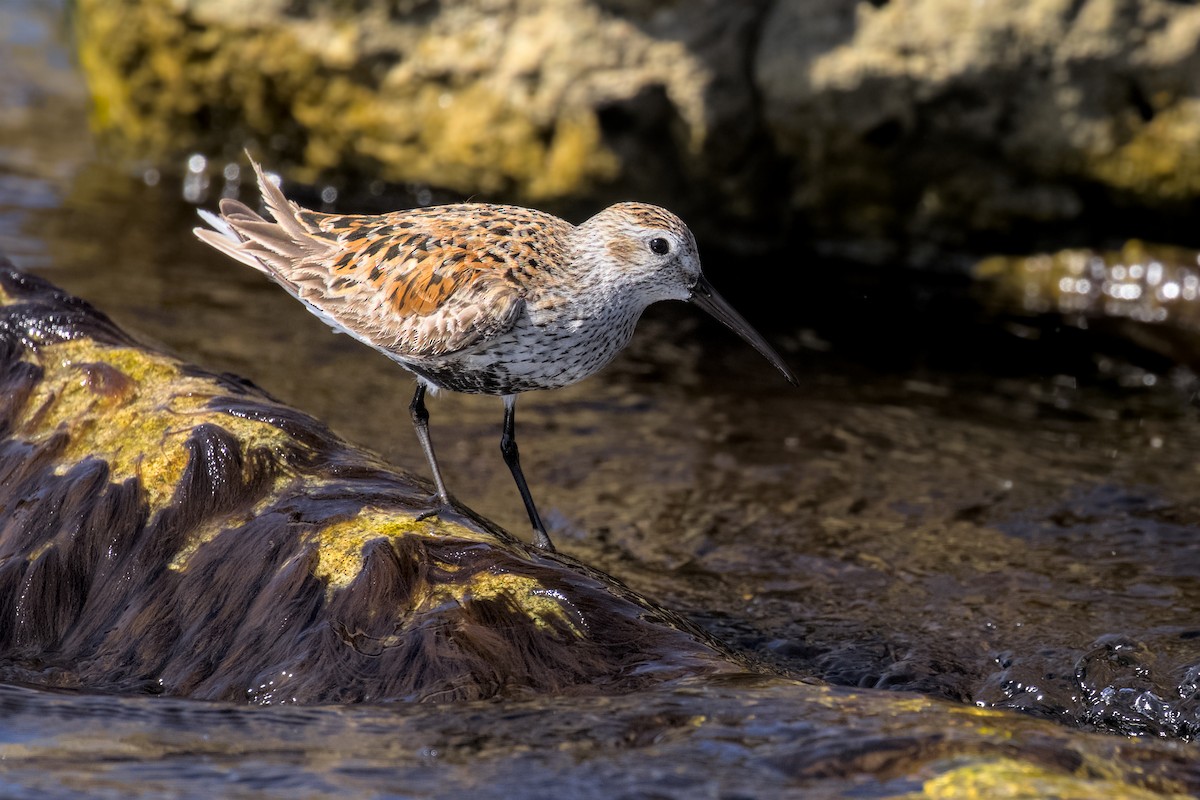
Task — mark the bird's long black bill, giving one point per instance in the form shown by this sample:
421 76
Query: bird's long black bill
707 298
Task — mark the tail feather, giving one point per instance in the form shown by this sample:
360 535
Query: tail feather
224 239
237 210
274 248
283 210
267 235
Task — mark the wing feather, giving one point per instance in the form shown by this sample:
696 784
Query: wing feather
417 284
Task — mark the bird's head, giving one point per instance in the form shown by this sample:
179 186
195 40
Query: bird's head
649 254
646 250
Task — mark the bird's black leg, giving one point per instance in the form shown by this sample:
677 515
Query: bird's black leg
420 417
508 448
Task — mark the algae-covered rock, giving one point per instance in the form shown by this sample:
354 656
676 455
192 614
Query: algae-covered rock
164 529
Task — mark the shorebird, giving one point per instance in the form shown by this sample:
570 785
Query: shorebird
478 298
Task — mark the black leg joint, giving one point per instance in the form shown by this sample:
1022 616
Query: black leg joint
417 408
508 449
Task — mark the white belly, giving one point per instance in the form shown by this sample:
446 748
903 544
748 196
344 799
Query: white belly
532 356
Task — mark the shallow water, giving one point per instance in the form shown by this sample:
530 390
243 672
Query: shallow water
744 740
998 512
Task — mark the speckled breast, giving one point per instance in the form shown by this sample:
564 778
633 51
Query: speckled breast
532 356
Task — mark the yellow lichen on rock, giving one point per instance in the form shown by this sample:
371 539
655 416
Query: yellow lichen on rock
215 526
470 138
151 72
1160 159
978 779
547 608
464 98
575 156
129 407
340 562
341 544
200 537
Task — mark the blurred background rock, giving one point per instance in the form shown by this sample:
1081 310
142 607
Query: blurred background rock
907 131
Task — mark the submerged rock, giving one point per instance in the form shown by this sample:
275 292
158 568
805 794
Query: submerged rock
168 530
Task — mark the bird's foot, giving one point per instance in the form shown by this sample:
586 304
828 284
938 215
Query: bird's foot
541 539
441 505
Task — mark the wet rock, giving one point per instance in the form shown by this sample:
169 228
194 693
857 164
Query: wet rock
163 529
881 130
1117 681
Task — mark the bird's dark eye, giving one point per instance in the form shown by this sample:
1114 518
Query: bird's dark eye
660 246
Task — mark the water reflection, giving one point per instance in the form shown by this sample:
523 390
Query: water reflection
1148 284
751 738
195 181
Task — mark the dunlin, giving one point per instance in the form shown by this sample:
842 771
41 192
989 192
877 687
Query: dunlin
479 298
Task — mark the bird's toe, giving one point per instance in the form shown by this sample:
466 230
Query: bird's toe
439 507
